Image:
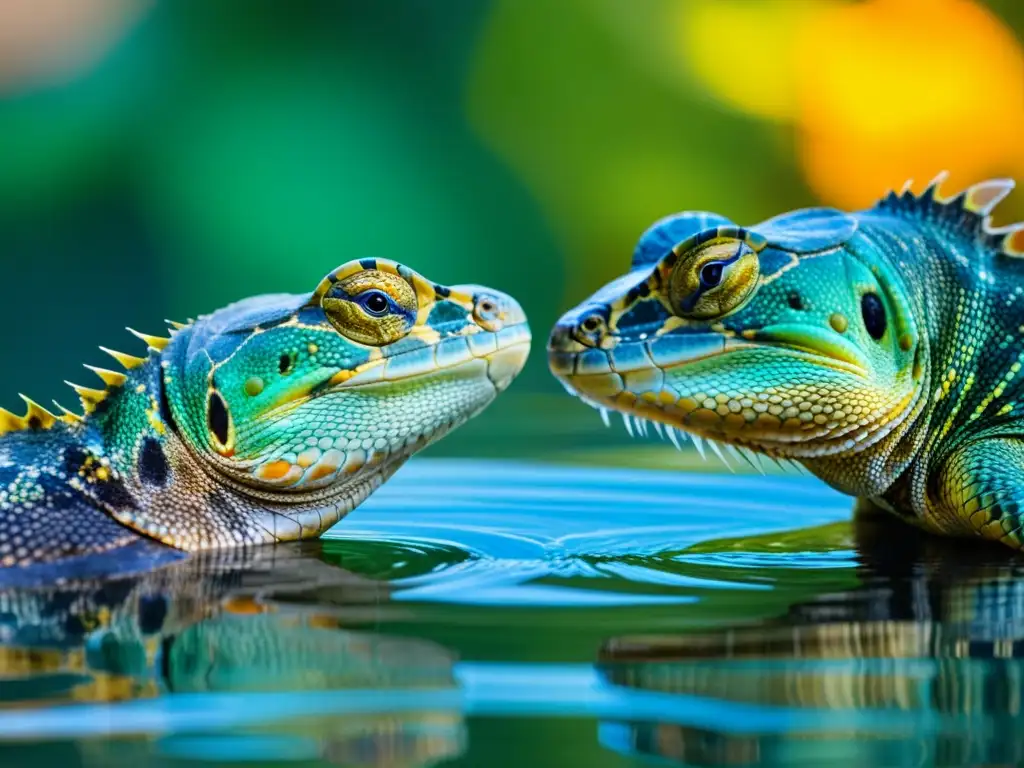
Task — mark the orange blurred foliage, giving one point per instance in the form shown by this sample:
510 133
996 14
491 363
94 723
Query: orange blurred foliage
879 91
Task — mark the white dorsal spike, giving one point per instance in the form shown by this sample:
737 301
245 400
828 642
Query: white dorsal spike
698 443
719 454
673 439
604 417
69 416
628 424
658 429
641 426
156 343
110 378
937 182
907 186
982 198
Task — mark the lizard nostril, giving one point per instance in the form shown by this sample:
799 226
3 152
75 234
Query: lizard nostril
590 329
487 313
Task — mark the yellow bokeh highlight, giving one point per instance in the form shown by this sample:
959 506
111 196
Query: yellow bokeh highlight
878 91
744 52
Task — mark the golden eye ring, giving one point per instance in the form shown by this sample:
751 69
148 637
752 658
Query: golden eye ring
371 307
714 279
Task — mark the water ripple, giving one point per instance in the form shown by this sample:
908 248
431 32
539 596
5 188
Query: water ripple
489 532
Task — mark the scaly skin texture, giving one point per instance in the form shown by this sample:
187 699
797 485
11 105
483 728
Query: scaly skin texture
266 421
880 349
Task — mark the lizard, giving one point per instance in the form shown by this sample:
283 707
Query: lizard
880 349
265 421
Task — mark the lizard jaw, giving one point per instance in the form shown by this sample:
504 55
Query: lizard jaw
681 385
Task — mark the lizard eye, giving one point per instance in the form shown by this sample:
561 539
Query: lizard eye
713 279
375 302
371 307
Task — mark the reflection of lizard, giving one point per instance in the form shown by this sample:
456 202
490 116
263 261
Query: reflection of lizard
935 629
266 421
881 349
235 621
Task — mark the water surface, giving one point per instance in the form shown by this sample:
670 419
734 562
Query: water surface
489 613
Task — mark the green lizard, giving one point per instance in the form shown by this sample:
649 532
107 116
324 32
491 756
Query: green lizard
265 421
881 349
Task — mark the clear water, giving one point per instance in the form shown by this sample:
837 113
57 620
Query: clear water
488 613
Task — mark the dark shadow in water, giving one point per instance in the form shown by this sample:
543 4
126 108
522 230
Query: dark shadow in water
920 665
264 621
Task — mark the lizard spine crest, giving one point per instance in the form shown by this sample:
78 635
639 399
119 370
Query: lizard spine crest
39 417
968 212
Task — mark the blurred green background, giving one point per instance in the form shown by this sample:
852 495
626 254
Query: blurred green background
159 160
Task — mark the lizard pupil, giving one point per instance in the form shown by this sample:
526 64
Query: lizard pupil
711 274
375 302
873 312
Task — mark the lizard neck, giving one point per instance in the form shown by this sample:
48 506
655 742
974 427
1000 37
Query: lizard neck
873 469
971 349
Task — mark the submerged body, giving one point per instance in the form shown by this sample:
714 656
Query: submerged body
880 349
266 421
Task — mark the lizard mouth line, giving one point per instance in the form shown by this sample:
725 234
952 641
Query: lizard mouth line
567 369
505 350
518 348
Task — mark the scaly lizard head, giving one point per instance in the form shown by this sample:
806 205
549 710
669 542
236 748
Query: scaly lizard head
292 395
787 338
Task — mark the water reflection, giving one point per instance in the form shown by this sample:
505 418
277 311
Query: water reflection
271 621
921 664
571 596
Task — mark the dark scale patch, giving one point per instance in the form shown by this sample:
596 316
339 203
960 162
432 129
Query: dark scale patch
311 316
165 407
114 495
152 613
772 260
114 593
218 418
639 291
795 300
442 292
446 313
647 315
153 468
368 263
166 646
74 459
74 627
